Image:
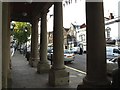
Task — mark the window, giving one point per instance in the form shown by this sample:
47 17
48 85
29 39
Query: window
82 37
108 50
116 51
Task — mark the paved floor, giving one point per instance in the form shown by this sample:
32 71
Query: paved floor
24 76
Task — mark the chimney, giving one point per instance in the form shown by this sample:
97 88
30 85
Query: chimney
111 16
83 25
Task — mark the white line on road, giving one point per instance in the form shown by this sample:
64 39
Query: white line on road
75 70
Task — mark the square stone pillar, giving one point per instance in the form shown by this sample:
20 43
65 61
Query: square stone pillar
58 74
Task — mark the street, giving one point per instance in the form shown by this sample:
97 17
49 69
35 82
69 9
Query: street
79 62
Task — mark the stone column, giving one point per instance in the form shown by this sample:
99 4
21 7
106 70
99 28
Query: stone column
5 45
34 43
118 25
0 45
58 74
43 65
96 47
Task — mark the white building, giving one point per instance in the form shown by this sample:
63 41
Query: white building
112 26
111 32
81 37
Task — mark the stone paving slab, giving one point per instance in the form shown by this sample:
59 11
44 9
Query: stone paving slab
24 76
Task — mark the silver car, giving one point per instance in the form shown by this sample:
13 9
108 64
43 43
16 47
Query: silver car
68 55
112 52
112 64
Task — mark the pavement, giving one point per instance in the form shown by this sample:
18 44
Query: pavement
25 76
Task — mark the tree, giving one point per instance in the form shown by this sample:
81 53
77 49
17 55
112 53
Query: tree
22 31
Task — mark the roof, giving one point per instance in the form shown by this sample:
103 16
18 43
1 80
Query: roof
25 11
111 21
107 22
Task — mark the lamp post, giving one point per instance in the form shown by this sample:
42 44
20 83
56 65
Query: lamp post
12 25
26 40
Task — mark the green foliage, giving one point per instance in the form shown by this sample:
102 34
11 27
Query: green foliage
22 31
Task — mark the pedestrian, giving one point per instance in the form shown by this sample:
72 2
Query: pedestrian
11 55
116 75
81 51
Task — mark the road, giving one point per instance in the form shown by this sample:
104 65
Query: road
79 62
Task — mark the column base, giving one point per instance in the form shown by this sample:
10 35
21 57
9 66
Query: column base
43 67
58 77
9 79
9 82
33 62
94 84
30 62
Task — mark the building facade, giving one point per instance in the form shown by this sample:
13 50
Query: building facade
111 32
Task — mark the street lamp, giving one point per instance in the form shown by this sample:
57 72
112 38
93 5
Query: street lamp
25 29
12 25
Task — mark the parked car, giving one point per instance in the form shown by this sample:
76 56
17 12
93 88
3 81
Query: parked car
77 50
49 54
68 55
112 52
112 64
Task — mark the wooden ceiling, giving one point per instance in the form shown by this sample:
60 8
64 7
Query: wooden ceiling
25 11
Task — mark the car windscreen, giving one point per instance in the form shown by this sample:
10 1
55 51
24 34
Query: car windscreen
116 51
68 52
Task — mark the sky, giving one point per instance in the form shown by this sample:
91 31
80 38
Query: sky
111 6
75 12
